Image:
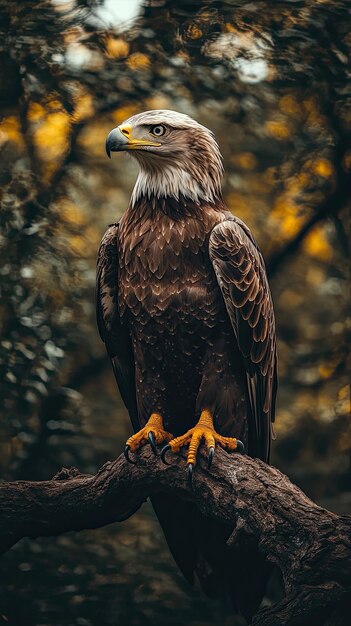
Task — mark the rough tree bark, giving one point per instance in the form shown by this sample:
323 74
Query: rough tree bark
310 545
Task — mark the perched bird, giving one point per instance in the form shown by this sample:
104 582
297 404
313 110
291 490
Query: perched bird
185 310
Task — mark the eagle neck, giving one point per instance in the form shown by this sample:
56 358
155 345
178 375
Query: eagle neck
176 179
176 210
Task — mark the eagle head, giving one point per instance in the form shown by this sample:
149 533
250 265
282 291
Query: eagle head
177 156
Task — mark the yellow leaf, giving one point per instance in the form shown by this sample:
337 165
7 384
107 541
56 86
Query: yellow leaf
84 107
286 216
54 105
326 370
36 112
244 160
71 213
323 168
51 137
230 28
116 48
317 245
289 104
93 137
277 129
93 237
290 225
10 130
158 101
297 183
238 205
78 245
48 169
123 113
138 61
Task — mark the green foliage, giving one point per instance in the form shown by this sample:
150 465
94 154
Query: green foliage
39 295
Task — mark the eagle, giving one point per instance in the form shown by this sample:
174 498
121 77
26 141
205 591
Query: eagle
185 311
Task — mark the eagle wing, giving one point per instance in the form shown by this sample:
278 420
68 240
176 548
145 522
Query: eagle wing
113 330
242 277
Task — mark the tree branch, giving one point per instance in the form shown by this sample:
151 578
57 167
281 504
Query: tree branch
311 546
332 205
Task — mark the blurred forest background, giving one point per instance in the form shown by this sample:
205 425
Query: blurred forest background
270 79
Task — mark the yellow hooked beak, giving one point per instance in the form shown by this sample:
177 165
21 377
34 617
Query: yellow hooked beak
121 138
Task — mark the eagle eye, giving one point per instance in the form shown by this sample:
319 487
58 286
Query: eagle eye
158 130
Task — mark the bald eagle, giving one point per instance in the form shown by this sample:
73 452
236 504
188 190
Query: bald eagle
185 311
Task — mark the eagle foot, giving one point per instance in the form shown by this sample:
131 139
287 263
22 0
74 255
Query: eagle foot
204 429
152 433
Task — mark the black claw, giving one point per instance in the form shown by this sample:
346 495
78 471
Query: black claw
210 456
126 454
151 438
240 446
190 471
163 454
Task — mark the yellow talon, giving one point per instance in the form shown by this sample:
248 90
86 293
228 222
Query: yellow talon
204 429
153 432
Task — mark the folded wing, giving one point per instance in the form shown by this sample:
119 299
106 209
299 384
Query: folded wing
242 277
113 331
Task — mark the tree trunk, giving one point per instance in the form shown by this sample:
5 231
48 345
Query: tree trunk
310 546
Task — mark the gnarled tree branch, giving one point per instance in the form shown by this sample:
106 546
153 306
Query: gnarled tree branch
311 546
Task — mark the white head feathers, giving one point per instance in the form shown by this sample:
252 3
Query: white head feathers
177 156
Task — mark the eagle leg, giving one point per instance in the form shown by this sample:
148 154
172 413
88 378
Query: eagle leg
152 433
204 429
